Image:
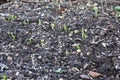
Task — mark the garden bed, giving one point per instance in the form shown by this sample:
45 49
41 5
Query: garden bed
42 41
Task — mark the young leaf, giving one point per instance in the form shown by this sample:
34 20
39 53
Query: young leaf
66 52
95 9
83 33
4 77
12 35
39 22
52 26
65 27
116 8
59 70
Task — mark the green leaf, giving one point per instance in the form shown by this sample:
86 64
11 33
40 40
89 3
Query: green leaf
66 52
95 9
4 77
117 8
11 17
65 27
59 70
83 33
11 35
52 26
39 22
42 42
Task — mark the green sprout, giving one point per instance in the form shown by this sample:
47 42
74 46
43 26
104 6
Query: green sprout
77 47
39 22
52 26
59 70
31 39
71 33
11 17
117 9
95 9
66 52
11 35
25 22
42 42
83 33
65 28
4 77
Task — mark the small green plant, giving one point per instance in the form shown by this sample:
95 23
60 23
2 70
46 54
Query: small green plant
83 33
116 9
59 70
4 77
52 26
95 9
25 22
78 48
66 52
65 28
39 22
31 39
71 33
11 17
11 35
42 42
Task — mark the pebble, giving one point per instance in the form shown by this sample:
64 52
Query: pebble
84 76
9 58
61 79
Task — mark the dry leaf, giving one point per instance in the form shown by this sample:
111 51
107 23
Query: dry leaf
94 74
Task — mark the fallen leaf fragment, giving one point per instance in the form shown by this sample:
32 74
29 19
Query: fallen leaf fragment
94 74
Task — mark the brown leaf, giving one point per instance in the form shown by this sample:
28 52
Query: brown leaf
94 74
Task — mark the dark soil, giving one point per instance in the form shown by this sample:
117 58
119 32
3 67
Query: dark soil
30 50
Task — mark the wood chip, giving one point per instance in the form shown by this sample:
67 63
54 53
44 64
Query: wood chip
94 74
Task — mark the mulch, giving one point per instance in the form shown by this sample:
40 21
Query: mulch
42 41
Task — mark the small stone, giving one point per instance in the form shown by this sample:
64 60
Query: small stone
76 31
104 45
3 66
75 69
78 50
83 76
61 79
88 53
9 58
17 54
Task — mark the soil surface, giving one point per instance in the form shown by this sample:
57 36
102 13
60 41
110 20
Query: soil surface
45 41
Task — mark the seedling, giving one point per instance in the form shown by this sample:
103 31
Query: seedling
11 17
59 70
25 22
117 9
66 52
83 33
65 28
42 42
39 22
11 35
95 9
31 39
52 26
4 77
77 47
